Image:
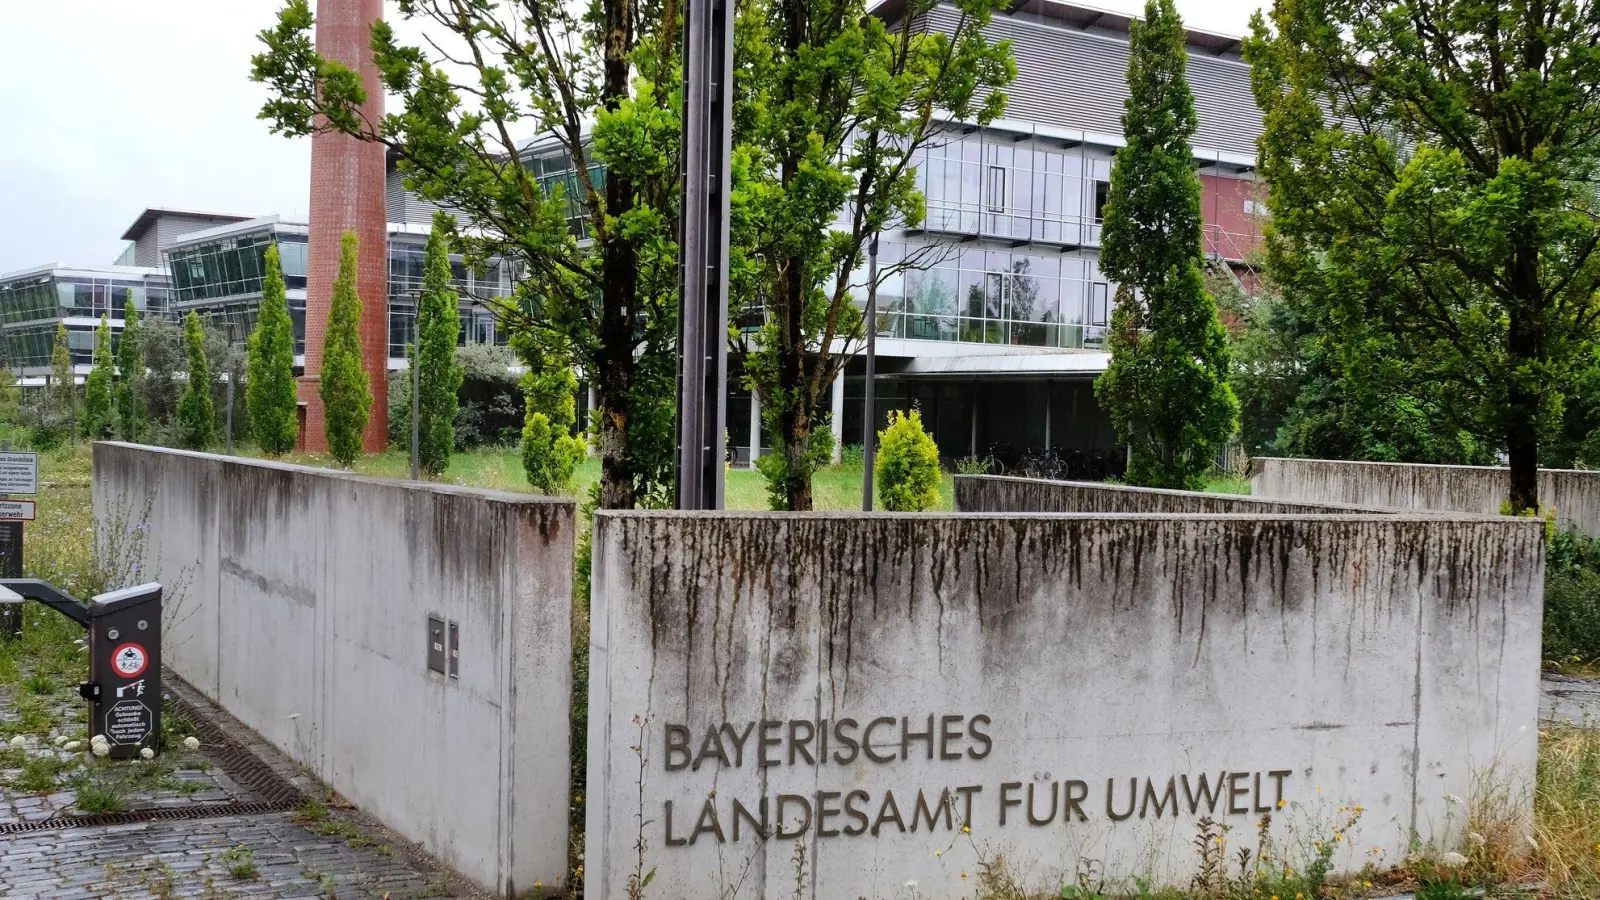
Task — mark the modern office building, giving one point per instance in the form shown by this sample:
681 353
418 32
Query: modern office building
34 301
998 329
218 274
999 336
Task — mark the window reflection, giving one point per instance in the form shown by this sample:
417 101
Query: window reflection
993 297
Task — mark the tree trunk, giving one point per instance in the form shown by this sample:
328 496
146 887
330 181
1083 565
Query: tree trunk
1523 449
794 419
796 448
1525 346
614 364
619 274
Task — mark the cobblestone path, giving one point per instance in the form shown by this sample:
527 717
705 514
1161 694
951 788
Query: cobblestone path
206 832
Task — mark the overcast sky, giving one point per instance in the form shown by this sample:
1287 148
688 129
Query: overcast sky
108 107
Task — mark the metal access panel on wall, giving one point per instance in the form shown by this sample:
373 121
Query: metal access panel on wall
436 654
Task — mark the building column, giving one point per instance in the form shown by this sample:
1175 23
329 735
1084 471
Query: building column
755 427
837 425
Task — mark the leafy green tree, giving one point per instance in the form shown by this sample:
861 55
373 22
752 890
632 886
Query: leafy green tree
1166 389
834 108
346 396
1310 387
130 366
907 464
1432 169
63 414
270 393
97 416
596 255
438 375
550 452
197 415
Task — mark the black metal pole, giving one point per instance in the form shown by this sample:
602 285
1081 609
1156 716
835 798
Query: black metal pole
869 423
703 319
416 417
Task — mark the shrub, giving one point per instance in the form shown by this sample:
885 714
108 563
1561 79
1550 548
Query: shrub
491 408
779 475
1572 597
852 456
907 466
549 450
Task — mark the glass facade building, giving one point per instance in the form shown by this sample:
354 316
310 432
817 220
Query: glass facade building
218 273
477 288
990 185
33 302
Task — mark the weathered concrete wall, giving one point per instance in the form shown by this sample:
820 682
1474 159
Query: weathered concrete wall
303 597
1039 668
994 493
1573 494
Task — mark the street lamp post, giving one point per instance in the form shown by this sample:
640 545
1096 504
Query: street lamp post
869 423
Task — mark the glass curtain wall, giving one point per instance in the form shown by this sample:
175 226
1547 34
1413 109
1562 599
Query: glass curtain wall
1009 190
948 293
478 324
234 266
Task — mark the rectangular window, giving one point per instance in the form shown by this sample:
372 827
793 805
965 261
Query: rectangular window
997 189
1102 192
1100 308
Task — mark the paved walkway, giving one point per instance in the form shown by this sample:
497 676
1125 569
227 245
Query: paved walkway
1569 701
221 835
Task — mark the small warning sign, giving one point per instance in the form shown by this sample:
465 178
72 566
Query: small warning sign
129 722
17 509
129 660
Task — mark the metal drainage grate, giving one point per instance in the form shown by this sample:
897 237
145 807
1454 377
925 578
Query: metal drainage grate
245 768
144 815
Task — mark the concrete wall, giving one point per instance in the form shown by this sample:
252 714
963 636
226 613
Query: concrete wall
304 602
995 493
1573 494
1374 660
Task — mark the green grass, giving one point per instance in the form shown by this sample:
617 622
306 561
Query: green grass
834 487
1227 484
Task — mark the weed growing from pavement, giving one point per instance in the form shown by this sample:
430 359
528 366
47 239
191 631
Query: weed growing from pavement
241 862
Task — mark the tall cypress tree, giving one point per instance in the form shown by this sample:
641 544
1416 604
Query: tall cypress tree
197 414
130 364
438 376
346 395
270 392
63 405
1166 388
97 387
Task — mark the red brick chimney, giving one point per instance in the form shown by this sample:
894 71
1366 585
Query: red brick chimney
347 193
